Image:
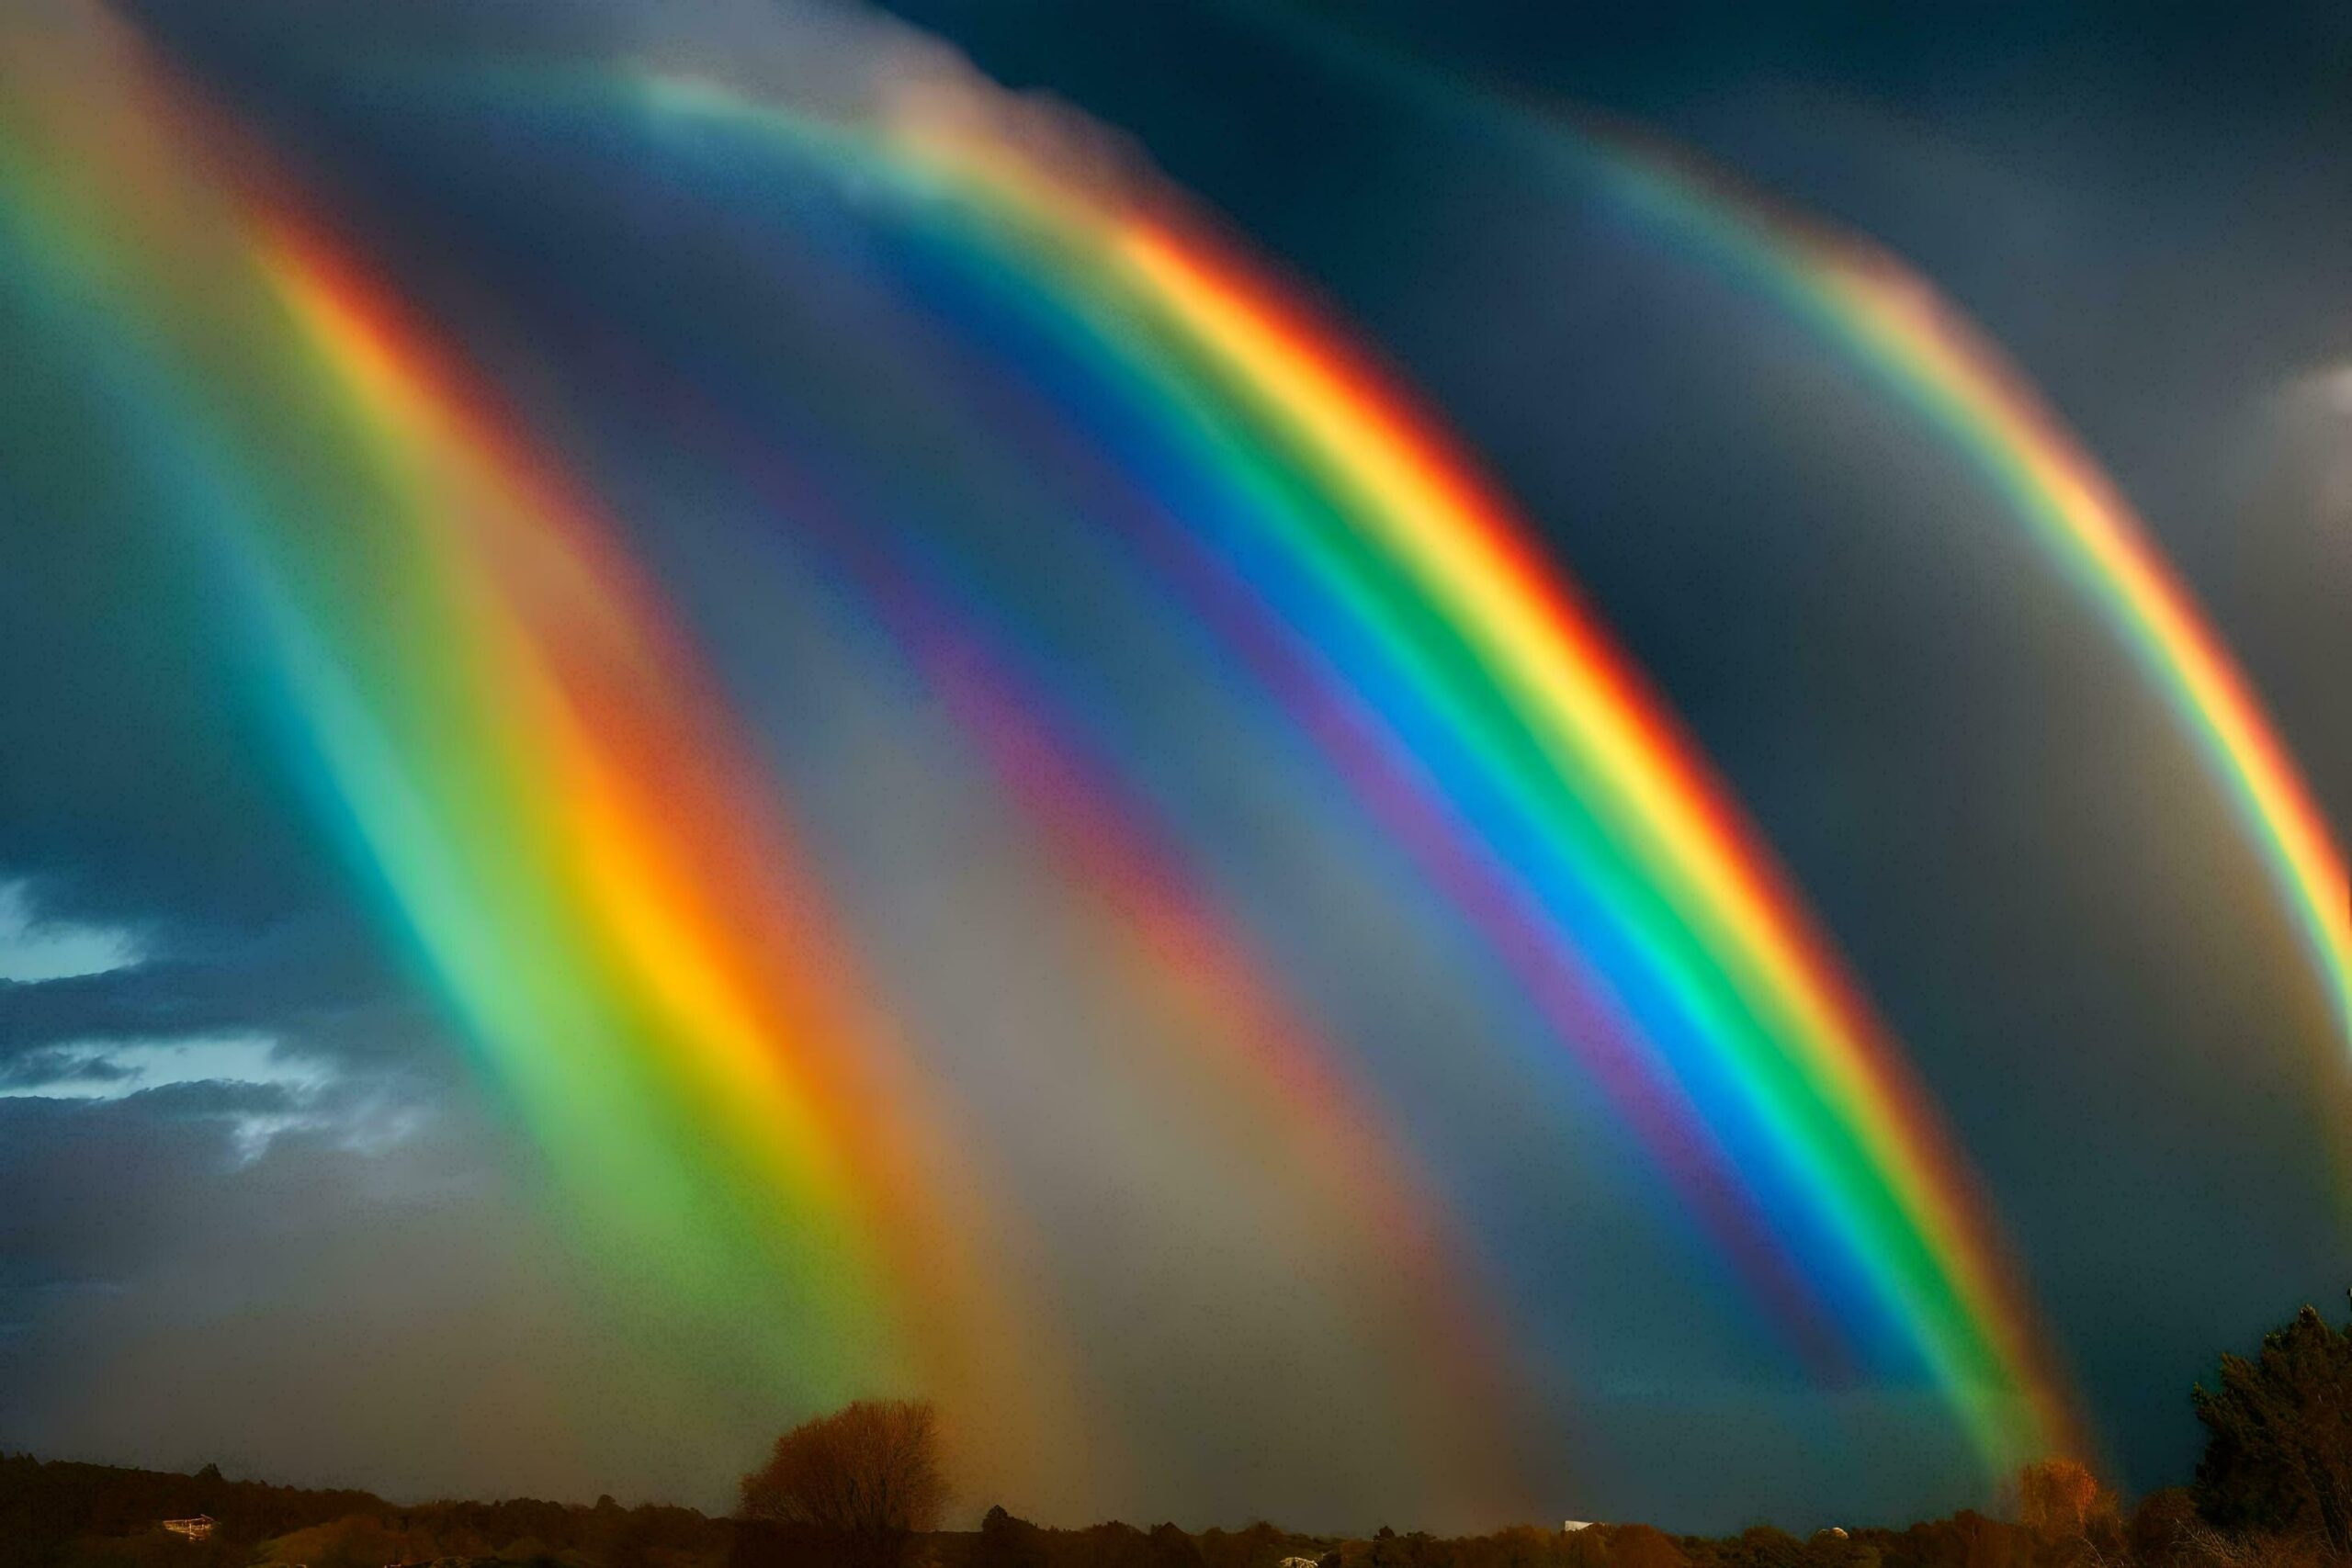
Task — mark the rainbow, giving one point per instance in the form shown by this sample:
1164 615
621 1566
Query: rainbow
1892 320
488 703
1172 943
1774 1048
514 742
596 863
1895 324
527 762
1600 736
662 820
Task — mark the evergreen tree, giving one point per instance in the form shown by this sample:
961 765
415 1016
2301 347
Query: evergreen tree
2279 1436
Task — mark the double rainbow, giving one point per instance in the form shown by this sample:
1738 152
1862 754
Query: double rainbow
529 763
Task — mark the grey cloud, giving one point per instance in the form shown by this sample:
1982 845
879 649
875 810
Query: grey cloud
49 1066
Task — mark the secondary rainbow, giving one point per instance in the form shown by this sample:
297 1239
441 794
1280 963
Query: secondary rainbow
1891 318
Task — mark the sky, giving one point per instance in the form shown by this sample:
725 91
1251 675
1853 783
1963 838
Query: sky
687 733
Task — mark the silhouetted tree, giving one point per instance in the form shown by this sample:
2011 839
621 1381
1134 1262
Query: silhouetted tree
2279 1436
1007 1541
1114 1543
1172 1548
864 1479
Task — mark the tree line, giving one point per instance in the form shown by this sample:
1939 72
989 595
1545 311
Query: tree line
864 1487
62 1514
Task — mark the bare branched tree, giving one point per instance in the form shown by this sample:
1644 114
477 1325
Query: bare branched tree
867 1480
2062 1496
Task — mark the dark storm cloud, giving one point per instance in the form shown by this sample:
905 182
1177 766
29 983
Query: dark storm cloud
404 1319
104 1186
